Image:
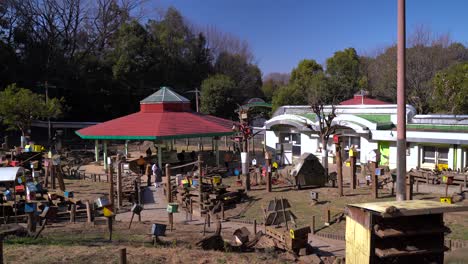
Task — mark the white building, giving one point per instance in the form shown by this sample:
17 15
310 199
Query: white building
432 140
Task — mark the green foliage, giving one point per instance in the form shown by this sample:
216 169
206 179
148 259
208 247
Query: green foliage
247 77
423 63
343 69
19 107
451 90
290 94
216 97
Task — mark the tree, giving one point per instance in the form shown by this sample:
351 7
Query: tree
326 129
343 69
246 76
290 94
451 90
216 92
19 107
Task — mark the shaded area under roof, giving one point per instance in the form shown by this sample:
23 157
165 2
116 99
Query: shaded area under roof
165 95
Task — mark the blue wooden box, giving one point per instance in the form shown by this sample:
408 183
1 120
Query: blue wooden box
158 230
68 194
30 207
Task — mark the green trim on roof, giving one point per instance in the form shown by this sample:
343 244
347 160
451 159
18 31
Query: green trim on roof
450 128
376 118
310 116
153 137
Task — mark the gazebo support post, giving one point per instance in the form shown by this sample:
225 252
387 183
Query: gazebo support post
217 150
104 154
160 156
96 150
119 184
126 148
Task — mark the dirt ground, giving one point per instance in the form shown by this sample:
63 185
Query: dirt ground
83 243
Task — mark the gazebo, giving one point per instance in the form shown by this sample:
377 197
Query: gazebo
164 115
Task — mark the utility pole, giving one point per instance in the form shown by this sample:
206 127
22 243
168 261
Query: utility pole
401 105
197 94
49 127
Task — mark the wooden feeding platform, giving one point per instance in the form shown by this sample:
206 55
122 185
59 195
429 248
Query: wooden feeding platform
397 232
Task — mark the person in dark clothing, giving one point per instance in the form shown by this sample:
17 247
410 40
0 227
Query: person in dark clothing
193 155
148 153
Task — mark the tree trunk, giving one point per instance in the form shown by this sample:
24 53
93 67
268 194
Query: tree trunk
325 155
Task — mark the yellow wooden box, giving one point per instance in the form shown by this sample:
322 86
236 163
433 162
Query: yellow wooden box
361 218
447 200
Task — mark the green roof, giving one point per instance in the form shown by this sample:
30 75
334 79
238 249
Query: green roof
449 128
376 118
312 117
165 94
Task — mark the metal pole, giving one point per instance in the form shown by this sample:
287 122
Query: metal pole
401 108
49 130
196 99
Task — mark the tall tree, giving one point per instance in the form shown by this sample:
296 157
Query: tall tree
246 76
216 96
451 90
343 69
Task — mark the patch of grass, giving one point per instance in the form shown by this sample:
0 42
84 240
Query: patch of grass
458 231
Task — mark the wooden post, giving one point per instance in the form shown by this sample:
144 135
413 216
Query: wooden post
268 172
169 193
88 211
119 184
375 181
222 211
200 172
52 176
1 249
417 186
106 166
72 213
255 226
46 173
328 216
409 187
313 224
123 256
464 181
111 183
339 169
109 227
353 172
31 223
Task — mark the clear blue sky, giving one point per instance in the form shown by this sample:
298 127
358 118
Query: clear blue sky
282 32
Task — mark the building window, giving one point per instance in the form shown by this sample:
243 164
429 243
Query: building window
435 155
347 142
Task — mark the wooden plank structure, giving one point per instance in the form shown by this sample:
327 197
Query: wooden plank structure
409 231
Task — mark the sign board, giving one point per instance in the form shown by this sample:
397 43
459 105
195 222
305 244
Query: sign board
254 162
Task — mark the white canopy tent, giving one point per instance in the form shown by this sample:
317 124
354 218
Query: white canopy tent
9 174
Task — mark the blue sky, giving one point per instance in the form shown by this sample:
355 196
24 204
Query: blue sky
282 32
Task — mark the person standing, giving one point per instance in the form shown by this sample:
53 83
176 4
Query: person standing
157 172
